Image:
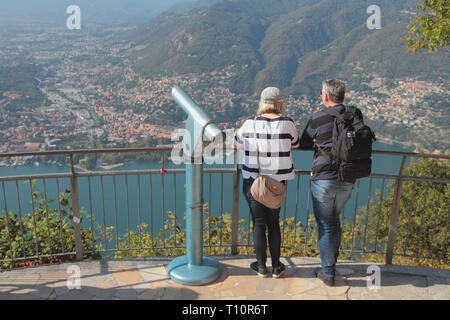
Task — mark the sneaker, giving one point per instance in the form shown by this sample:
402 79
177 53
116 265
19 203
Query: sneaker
278 271
329 281
262 272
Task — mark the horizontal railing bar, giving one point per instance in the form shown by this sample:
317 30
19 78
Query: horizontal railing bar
205 246
166 149
239 245
419 257
207 170
412 154
408 178
157 248
424 179
149 171
36 176
39 257
83 151
313 248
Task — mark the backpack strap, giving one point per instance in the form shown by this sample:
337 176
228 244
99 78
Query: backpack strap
256 144
337 115
333 112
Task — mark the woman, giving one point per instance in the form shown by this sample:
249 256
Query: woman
276 135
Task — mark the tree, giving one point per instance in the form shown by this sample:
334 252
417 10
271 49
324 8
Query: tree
431 28
423 219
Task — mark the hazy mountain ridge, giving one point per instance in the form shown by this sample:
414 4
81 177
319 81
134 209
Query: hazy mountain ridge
103 12
279 42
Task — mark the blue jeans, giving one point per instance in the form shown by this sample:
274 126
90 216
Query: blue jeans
329 198
264 218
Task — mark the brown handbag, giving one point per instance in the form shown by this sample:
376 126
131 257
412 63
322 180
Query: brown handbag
266 190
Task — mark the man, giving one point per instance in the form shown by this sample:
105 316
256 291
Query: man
329 194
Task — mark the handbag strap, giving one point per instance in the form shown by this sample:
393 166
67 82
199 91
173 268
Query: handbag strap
256 144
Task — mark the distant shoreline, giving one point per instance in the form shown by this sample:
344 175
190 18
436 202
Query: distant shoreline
112 166
389 141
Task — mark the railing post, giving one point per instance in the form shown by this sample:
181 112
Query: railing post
395 214
76 212
235 213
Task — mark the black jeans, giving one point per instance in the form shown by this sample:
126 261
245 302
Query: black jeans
263 218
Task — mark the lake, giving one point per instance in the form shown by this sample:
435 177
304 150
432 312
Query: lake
167 192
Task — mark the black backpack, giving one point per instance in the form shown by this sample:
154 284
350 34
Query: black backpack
352 145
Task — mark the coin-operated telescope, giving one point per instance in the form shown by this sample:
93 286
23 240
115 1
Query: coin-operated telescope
194 268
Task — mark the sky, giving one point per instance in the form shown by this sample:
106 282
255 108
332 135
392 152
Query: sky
107 12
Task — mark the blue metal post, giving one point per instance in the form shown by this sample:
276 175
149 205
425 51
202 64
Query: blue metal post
194 268
194 210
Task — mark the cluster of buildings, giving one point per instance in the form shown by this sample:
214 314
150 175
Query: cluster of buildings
112 102
402 101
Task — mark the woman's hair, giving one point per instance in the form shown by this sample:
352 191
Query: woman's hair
271 107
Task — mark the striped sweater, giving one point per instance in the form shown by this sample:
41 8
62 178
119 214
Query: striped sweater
275 138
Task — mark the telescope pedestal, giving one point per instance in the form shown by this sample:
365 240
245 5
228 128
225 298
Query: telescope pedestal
194 275
194 269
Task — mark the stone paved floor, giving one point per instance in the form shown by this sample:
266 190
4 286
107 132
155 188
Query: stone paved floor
148 279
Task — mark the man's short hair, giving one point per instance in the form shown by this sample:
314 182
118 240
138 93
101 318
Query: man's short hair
335 90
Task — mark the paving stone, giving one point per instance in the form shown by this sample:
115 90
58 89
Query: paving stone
52 296
345 271
401 287
301 285
62 290
319 291
127 276
191 294
271 284
264 295
203 293
6 280
43 291
24 280
24 291
393 287
75 295
126 294
4 289
220 280
343 297
438 288
144 279
236 298
149 294
228 283
307 296
289 273
161 284
226 294
100 293
95 281
54 276
246 286
18 296
361 293
150 275
336 290
303 272
171 293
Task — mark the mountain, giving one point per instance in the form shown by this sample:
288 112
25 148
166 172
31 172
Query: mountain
104 12
292 44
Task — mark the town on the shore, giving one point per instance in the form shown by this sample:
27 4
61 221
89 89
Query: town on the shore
113 103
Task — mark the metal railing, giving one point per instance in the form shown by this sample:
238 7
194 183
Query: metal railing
363 232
